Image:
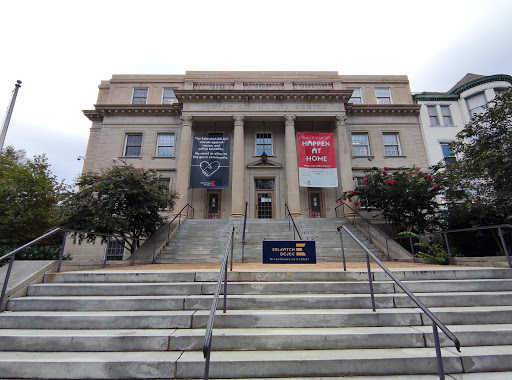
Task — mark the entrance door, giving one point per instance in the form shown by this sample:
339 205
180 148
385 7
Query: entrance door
315 203
264 198
213 205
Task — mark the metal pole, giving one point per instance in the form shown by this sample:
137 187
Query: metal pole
370 280
438 351
232 248
207 363
342 251
505 247
7 275
448 248
412 249
62 250
225 286
9 113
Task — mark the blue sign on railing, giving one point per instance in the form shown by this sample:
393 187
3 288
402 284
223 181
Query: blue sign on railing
289 252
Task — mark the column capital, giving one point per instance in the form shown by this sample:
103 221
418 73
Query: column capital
239 120
186 119
341 119
290 120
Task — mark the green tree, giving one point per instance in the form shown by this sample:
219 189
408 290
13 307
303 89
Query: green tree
482 178
406 198
121 200
29 194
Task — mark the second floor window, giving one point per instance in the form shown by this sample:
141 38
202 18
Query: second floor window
263 144
165 145
140 96
391 144
432 115
133 144
477 104
360 146
383 95
168 96
447 116
356 97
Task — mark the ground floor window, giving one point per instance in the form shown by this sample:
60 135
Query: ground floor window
114 250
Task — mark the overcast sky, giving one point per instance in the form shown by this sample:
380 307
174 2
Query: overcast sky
61 50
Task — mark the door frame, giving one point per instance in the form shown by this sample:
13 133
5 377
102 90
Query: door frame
264 191
321 201
208 192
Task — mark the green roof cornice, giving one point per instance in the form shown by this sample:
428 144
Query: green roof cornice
435 97
476 82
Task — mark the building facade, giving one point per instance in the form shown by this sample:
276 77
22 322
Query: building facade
444 114
151 121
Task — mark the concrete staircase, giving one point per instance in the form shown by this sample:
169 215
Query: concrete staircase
200 240
150 325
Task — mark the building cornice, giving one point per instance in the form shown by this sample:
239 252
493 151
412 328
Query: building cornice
244 95
356 109
476 82
100 110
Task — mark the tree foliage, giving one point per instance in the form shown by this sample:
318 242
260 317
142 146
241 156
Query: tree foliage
29 194
406 198
482 177
122 200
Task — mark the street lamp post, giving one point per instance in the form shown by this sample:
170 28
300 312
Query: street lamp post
9 113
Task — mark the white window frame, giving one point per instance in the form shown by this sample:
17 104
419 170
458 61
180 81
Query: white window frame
360 97
383 97
169 97
474 96
446 106
173 144
126 143
109 249
256 143
140 88
429 108
368 148
399 145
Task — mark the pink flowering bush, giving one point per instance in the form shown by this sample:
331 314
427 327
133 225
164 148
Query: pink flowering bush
406 197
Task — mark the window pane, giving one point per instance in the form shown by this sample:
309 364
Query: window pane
432 114
133 145
383 95
477 104
360 144
168 96
263 144
447 117
140 95
115 251
391 144
165 145
390 139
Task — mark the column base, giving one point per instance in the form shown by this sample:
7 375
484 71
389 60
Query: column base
236 216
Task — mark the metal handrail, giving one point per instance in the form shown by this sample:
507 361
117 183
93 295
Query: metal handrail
168 229
223 275
11 255
290 217
243 233
435 321
446 232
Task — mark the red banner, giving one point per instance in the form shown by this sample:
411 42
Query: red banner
317 159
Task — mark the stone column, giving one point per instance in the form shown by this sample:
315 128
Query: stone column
292 168
344 154
184 161
237 180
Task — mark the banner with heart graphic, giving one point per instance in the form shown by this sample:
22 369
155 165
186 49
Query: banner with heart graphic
210 162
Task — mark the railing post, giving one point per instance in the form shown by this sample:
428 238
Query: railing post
448 248
207 364
370 281
342 251
438 351
232 249
412 250
6 281
505 247
62 250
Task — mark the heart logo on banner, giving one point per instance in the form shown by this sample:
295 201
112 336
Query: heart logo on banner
209 168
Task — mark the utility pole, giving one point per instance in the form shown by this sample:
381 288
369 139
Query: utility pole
9 113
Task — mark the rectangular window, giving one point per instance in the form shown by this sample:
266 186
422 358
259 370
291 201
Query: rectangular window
383 95
140 96
447 116
477 104
263 144
133 144
165 145
448 153
432 115
356 97
168 96
391 144
114 250
360 146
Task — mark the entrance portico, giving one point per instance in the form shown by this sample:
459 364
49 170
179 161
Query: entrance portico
262 121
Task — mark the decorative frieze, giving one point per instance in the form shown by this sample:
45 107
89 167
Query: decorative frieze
263 86
214 86
312 86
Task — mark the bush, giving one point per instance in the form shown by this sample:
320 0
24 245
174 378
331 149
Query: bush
35 252
432 252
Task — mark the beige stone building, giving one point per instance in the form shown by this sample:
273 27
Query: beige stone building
150 121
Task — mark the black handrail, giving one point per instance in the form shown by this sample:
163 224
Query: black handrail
435 321
11 255
168 229
290 217
446 232
243 233
207 347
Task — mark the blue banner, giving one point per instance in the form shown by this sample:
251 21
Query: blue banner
289 252
210 162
